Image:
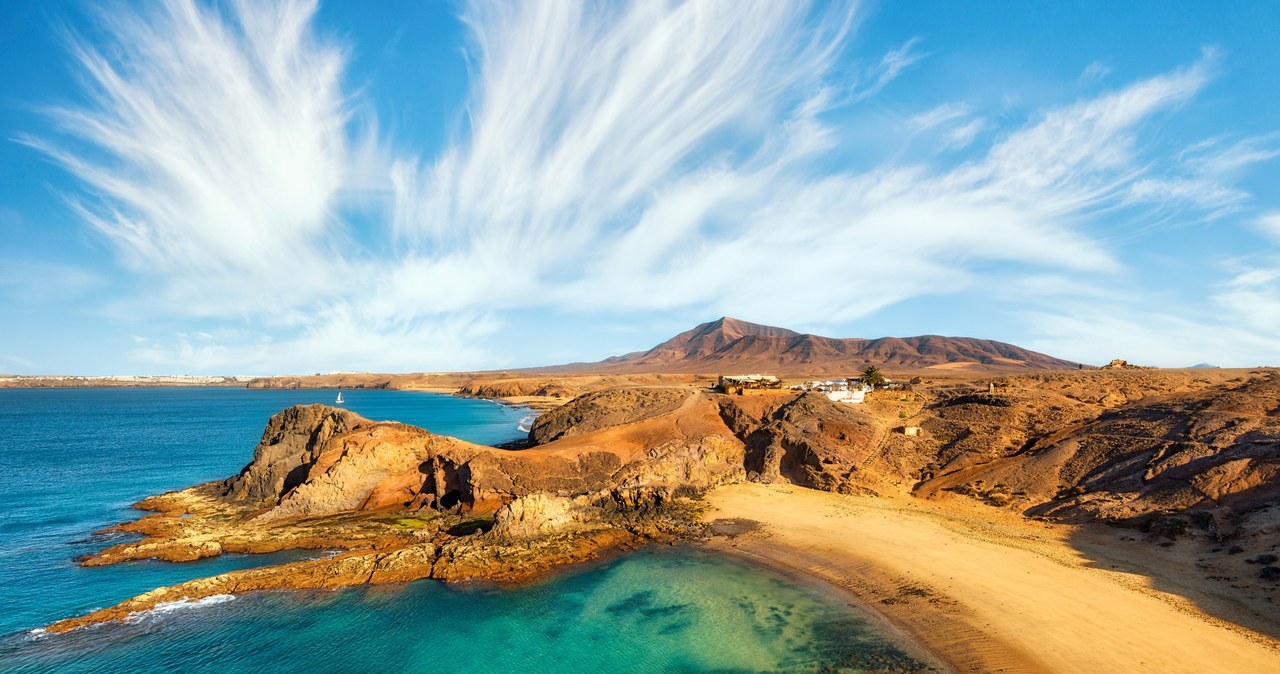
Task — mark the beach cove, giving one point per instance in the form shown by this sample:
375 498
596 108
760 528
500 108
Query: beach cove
80 458
982 591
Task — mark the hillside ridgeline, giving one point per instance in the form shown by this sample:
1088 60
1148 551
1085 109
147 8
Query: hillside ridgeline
729 346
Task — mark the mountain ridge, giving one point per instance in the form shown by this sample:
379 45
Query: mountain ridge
732 345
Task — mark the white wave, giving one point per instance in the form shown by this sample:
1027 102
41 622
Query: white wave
179 605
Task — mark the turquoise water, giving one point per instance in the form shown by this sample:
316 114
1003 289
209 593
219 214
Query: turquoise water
72 461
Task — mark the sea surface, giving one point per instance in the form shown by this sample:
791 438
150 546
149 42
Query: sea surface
72 461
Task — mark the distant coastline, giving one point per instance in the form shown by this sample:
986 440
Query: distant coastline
117 381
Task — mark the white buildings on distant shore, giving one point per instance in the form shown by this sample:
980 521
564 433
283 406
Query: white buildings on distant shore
128 379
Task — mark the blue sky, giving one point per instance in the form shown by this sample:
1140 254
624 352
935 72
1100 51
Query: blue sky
254 188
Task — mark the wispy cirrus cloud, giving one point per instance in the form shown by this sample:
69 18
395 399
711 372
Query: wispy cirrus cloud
211 145
618 158
641 214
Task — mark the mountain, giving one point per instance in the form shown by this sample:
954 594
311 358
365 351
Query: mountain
729 345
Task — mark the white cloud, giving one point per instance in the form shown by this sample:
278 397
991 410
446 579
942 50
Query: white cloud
212 146
1094 72
1233 326
341 335
956 126
1096 333
23 363
618 158
962 136
547 181
1269 224
1251 298
1204 174
947 112
890 66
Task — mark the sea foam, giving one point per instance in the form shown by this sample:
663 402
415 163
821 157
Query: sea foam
166 607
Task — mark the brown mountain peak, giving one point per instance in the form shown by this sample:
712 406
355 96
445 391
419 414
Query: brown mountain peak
733 328
731 344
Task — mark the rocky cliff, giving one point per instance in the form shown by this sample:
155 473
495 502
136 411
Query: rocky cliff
1169 453
400 503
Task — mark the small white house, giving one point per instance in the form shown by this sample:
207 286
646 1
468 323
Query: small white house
853 391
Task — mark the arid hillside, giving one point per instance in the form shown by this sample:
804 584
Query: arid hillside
1187 461
729 345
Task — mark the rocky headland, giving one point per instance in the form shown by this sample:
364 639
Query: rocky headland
1183 464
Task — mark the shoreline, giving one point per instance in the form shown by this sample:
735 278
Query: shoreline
892 630
935 620
980 596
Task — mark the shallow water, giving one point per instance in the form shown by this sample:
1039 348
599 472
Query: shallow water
74 460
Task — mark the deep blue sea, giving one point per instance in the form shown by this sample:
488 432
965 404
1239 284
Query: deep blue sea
72 461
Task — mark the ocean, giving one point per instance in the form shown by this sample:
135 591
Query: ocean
72 461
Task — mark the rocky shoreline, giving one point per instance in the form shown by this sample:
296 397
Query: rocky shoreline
1166 456
393 503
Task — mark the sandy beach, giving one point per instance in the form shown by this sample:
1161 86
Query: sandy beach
981 589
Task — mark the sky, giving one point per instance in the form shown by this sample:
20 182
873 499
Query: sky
192 187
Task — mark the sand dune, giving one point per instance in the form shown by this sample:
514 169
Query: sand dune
985 591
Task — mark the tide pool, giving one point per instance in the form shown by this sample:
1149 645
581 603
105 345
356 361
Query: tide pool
72 461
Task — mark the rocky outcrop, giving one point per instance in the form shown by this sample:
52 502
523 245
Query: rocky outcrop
402 503
290 446
1121 364
315 460
807 440
1193 451
537 515
1165 451
607 408
326 381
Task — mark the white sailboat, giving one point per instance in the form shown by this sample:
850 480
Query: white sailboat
339 400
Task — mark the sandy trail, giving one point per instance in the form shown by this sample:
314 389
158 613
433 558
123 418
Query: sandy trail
984 591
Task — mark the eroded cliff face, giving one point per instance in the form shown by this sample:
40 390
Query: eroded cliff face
398 503
1165 451
607 408
1216 450
290 447
806 440
316 460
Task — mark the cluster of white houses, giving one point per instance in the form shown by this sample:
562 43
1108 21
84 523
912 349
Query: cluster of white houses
850 390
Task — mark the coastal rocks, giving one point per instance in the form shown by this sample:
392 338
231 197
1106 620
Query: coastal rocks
289 448
536 515
316 460
604 409
328 381
389 502
1218 452
394 503
807 440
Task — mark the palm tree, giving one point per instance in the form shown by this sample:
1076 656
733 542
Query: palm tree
872 377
